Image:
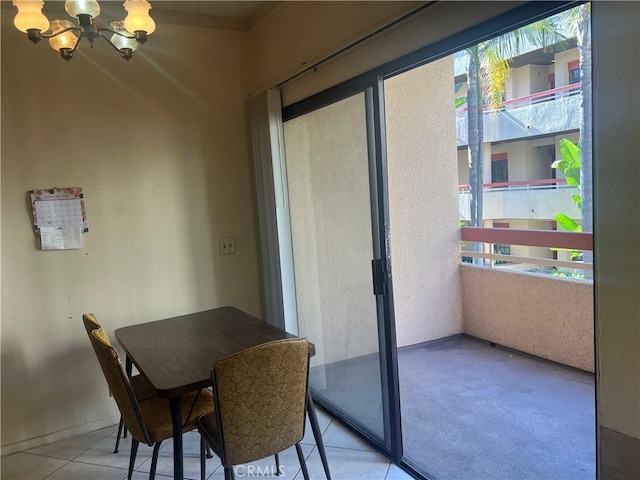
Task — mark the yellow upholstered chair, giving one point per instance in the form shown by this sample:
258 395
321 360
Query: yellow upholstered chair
142 389
260 404
147 420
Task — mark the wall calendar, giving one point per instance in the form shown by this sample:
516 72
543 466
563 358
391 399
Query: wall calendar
59 217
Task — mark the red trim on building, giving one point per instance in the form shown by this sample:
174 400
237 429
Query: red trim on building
500 225
496 157
574 65
532 238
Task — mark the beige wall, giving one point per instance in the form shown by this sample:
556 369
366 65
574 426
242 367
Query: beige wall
553 320
617 217
159 145
296 34
561 69
425 241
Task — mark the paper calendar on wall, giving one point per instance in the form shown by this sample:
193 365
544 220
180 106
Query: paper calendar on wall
59 216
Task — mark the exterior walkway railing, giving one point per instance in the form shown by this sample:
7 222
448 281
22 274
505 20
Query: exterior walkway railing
534 98
519 185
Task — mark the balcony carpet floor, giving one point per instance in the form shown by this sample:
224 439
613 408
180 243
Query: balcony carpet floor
471 411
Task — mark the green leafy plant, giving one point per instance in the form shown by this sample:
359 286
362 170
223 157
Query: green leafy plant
569 165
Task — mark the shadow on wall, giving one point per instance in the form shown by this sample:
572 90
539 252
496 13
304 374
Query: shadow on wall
51 393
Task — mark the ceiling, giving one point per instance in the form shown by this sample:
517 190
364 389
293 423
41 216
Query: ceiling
238 15
238 9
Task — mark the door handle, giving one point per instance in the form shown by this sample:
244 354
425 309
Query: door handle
379 276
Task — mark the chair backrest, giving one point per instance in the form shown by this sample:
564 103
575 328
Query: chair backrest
260 399
119 385
90 323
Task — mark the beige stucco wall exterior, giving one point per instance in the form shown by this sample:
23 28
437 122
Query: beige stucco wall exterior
159 145
549 317
329 201
423 203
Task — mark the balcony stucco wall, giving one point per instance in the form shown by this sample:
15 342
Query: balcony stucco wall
535 204
544 118
550 317
328 182
425 242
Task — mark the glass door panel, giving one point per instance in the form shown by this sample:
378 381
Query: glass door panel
332 225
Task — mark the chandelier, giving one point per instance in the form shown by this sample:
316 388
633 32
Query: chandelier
64 35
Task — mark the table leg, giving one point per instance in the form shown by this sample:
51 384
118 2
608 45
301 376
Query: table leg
175 405
317 434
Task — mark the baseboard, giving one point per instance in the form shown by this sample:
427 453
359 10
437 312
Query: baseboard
56 436
619 455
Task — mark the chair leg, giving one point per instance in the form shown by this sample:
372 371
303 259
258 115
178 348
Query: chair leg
303 464
228 473
277 464
132 456
203 448
120 425
154 460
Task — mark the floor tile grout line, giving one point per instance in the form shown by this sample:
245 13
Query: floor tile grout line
47 476
76 460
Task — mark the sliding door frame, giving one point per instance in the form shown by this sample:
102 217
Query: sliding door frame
372 81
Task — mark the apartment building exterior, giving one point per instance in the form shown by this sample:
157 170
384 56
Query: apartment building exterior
542 105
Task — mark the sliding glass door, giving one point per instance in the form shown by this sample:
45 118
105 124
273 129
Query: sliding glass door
333 201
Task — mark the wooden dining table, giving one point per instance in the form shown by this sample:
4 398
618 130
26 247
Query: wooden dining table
177 355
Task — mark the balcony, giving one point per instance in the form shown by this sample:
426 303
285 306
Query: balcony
526 200
547 316
542 113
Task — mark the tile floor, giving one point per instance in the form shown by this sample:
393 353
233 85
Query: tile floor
90 457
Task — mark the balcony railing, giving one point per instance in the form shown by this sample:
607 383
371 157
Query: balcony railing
519 185
534 98
550 239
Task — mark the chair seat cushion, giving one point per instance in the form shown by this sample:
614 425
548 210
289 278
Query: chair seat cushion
155 411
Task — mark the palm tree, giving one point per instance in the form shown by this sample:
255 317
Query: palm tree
487 71
578 23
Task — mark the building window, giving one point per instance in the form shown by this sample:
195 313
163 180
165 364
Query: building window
574 72
499 168
501 248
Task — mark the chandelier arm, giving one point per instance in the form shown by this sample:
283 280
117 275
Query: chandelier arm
100 30
53 35
126 53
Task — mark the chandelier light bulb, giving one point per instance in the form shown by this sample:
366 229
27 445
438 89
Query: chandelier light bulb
82 7
30 16
64 40
138 19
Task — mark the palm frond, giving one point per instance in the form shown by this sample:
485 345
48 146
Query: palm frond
496 54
